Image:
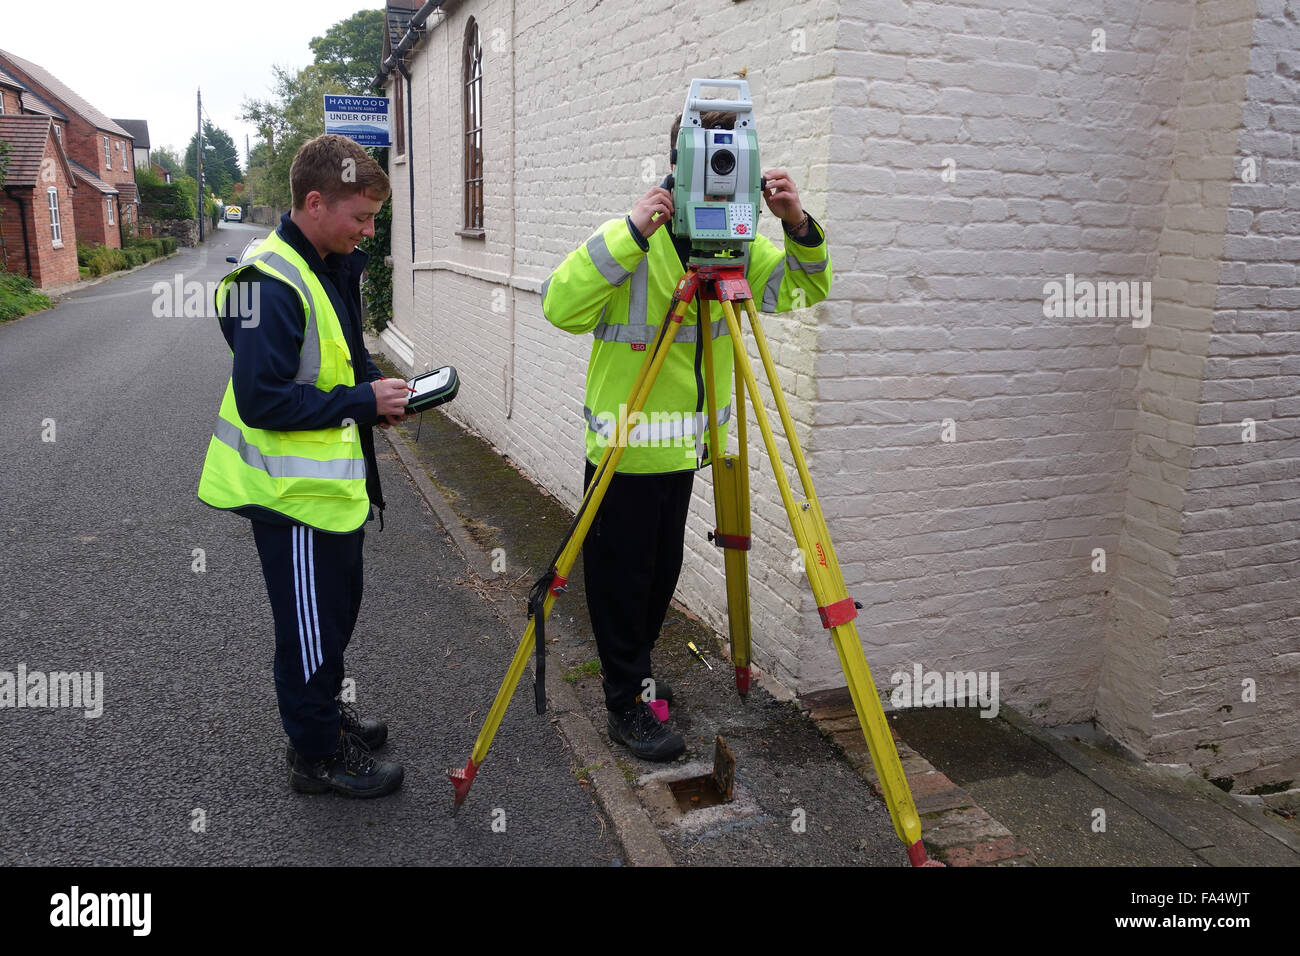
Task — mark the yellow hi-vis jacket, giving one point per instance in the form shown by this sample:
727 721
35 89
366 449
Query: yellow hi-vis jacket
612 288
314 476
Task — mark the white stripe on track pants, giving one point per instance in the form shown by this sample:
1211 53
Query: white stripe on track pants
314 581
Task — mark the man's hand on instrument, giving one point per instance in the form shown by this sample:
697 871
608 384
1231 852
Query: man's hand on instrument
652 210
782 197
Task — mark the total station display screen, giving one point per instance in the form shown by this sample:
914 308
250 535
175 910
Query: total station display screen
711 217
722 138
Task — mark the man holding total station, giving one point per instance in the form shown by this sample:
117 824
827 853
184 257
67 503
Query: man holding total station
618 285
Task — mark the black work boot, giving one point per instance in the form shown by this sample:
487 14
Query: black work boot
373 733
350 771
638 729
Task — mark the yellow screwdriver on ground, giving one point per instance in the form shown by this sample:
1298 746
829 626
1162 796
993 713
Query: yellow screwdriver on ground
690 646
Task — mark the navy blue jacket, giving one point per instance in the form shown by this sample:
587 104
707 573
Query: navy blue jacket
266 358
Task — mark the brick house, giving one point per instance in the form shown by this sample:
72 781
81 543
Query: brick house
96 145
97 208
1100 504
139 130
37 217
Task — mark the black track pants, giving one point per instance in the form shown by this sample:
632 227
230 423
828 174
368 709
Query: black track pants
314 581
631 559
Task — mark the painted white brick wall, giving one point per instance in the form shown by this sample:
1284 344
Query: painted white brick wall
976 153
1234 613
1072 434
1133 691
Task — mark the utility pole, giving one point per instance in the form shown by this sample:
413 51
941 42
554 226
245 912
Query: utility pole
198 156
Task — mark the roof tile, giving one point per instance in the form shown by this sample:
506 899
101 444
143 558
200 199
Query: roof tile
61 92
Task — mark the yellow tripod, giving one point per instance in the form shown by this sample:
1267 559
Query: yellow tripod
726 284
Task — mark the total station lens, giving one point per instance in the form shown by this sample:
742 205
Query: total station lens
723 162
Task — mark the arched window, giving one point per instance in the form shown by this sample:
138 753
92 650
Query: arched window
472 73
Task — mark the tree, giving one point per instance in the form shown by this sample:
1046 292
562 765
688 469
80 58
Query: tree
351 50
293 116
256 190
220 159
167 158
346 60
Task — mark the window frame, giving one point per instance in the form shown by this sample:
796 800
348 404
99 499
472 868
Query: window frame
108 153
399 111
109 201
473 211
56 226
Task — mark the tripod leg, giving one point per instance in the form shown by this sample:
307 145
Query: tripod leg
463 779
836 608
731 511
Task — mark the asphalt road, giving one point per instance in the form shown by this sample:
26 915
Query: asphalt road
98 535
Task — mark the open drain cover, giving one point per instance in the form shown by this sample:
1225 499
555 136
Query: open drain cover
710 789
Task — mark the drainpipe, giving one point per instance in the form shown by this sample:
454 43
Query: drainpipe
412 36
22 218
410 157
514 216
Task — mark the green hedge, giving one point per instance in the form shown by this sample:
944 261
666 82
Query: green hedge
157 247
165 201
100 260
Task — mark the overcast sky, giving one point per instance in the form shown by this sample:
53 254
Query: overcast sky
167 52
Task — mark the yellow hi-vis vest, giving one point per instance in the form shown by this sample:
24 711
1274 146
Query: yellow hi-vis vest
314 476
610 287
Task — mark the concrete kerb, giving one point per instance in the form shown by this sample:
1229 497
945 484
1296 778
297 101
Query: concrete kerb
632 825
63 291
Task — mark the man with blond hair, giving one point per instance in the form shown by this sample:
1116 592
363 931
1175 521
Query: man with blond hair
292 451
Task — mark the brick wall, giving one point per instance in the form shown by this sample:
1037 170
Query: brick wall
92 218
961 158
977 153
1227 618
51 267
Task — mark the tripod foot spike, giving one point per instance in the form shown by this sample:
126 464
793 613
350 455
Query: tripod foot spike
916 853
462 780
742 680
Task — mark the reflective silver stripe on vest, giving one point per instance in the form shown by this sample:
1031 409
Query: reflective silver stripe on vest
286 466
605 263
309 357
546 285
652 431
773 287
638 330
810 268
646 334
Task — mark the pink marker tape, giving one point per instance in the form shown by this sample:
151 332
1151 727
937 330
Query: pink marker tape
660 708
